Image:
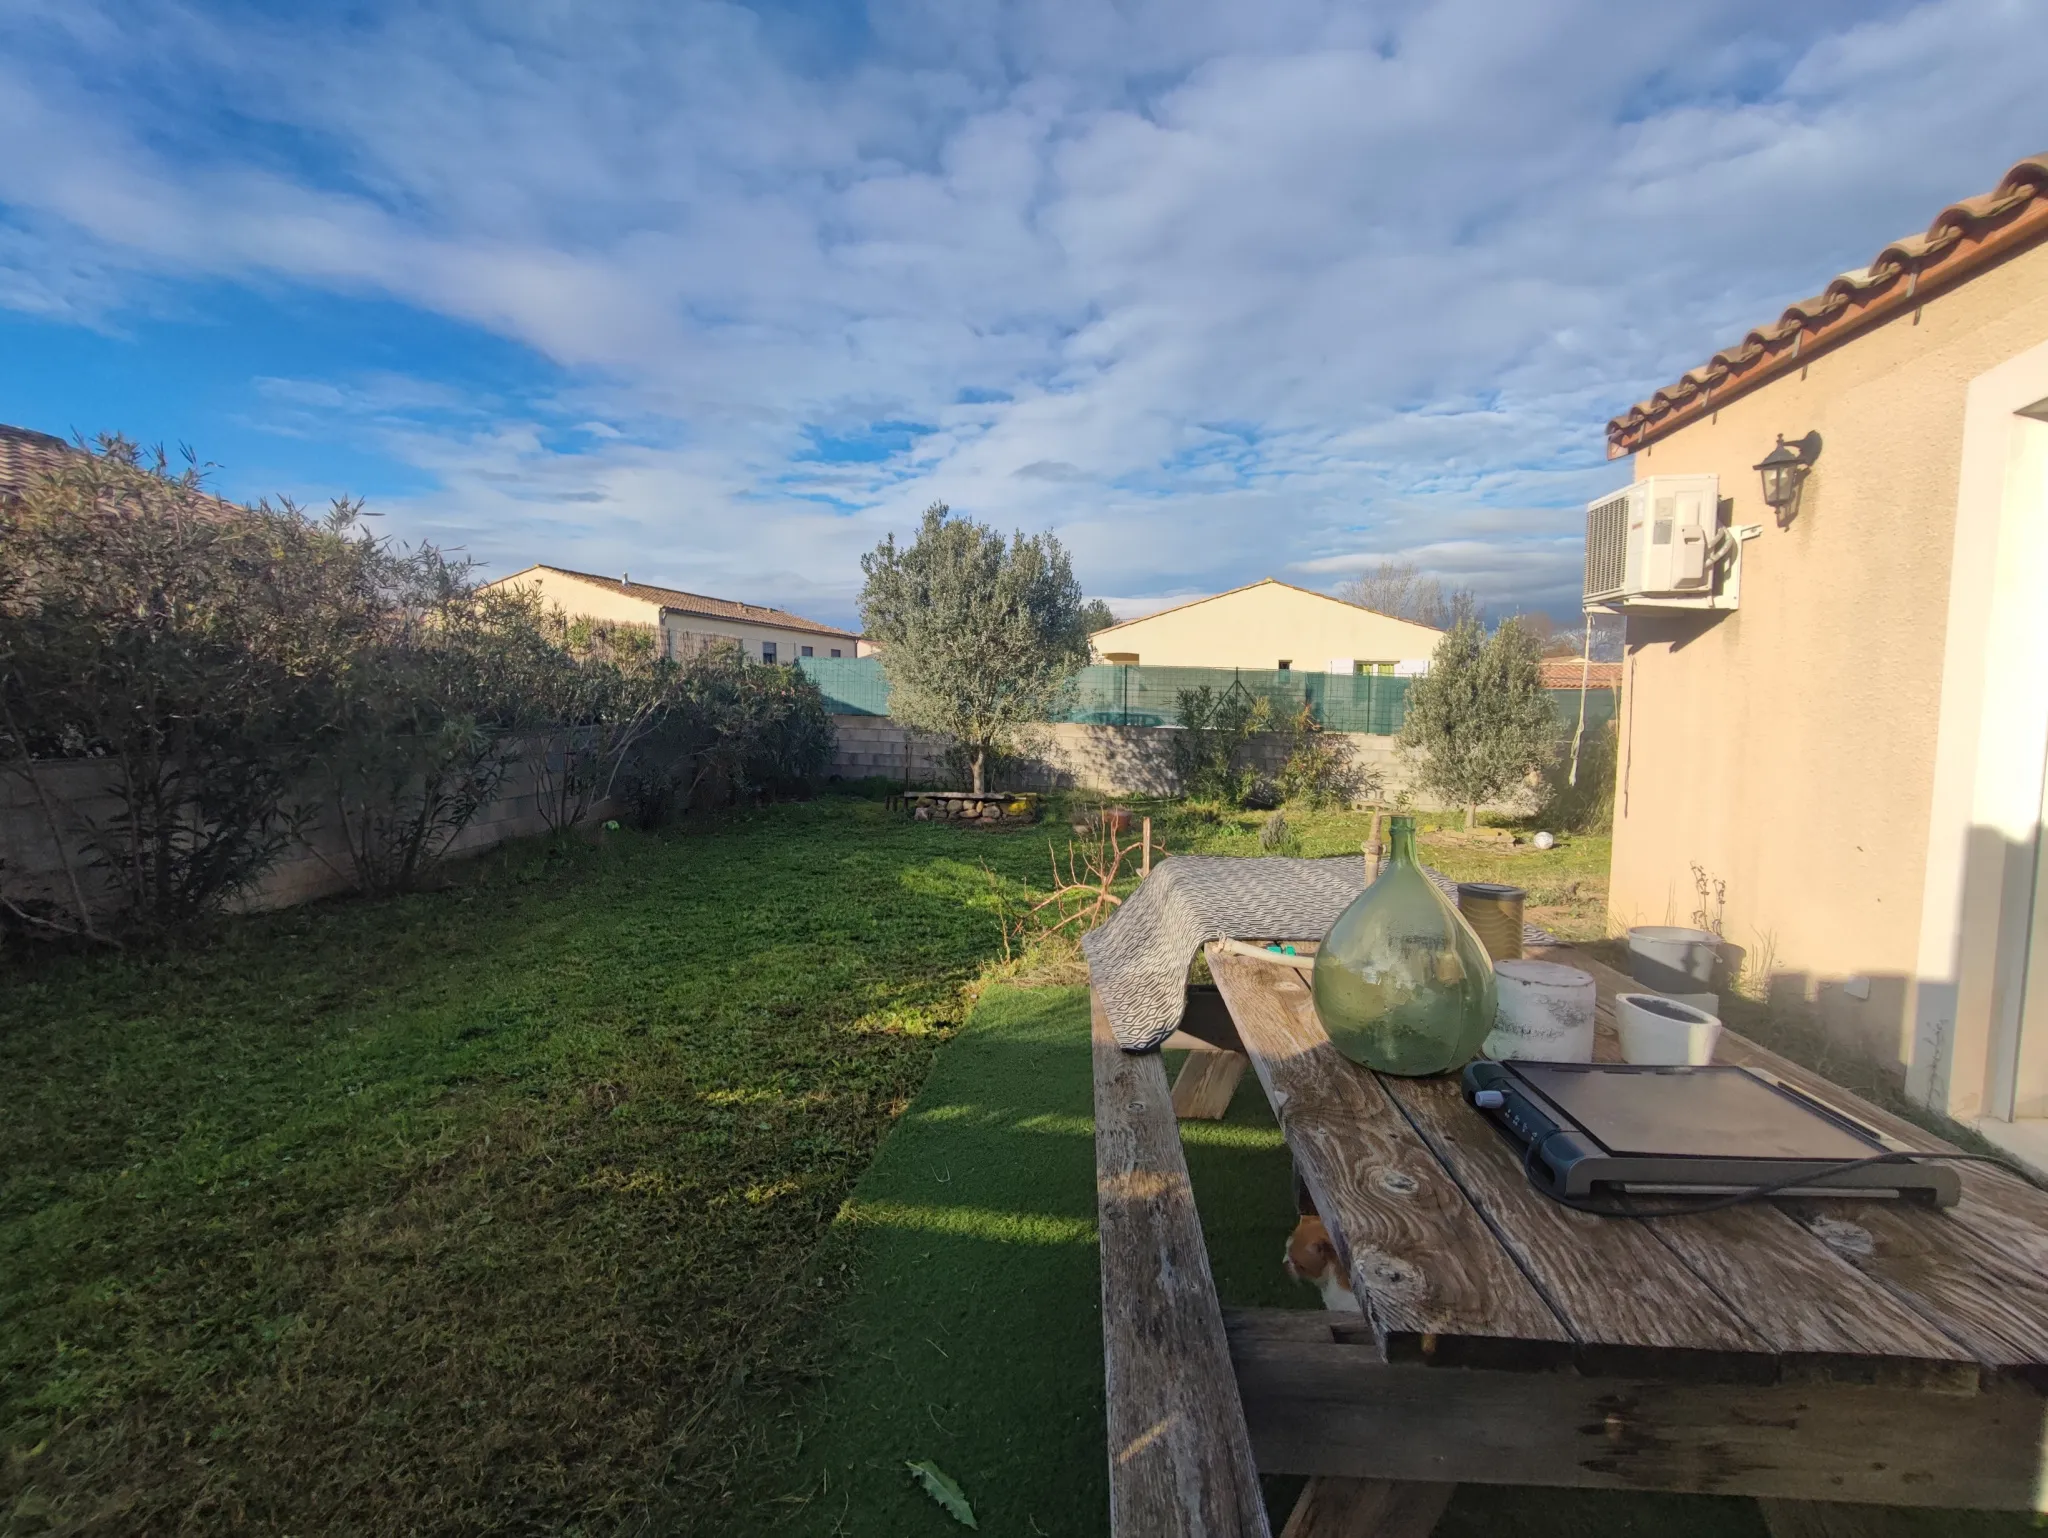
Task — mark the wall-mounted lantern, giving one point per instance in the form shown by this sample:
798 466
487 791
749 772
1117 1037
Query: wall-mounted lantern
1784 470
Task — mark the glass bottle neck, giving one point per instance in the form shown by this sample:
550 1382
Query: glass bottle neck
1401 841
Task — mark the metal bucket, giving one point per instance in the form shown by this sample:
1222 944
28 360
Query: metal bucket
1668 959
1495 914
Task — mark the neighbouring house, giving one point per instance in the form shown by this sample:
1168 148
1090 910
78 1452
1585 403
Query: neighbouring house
686 622
1835 716
26 456
1273 625
1572 672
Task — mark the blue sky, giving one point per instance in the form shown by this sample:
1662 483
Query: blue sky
721 294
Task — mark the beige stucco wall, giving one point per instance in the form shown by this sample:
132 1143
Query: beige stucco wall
1261 625
595 600
789 644
1788 748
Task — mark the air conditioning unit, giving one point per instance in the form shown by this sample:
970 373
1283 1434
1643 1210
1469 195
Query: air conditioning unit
1659 544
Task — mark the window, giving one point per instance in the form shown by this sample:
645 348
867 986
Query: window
1286 666
1379 669
767 651
806 651
835 651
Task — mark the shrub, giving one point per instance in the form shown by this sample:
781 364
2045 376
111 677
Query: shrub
725 728
1260 792
422 745
1276 837
242 670
792 740
194 648
1321 769
1586 806
1215 730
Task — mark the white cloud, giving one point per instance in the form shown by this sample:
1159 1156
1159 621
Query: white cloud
1216 290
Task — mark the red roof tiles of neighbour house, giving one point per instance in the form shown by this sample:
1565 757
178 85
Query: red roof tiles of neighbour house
1564 673
697 603
26 456
1966 238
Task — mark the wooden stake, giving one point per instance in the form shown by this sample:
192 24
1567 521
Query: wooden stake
1145 869
1252 952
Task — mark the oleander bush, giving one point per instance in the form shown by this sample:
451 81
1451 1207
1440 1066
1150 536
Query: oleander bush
247 673
1210 753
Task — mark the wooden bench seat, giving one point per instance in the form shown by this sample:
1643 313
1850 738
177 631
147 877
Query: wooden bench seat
1180 1458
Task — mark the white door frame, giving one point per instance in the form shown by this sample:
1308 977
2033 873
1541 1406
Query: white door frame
1985 817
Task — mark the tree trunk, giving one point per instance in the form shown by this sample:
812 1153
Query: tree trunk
980 756
1471 815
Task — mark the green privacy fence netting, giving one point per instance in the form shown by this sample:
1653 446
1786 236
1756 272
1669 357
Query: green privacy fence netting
852 686
1116 695
1150 696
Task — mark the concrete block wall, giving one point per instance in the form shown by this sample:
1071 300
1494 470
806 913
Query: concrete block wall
876 747
1115 760
316 866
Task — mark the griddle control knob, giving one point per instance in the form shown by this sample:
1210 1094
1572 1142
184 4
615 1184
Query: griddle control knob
1489 1099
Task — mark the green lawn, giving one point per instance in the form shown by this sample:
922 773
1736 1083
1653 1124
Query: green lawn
521 1207
465 1212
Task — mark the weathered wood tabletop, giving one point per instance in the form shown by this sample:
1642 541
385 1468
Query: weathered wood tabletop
1807 1352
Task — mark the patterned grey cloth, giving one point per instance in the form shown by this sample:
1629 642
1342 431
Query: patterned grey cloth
1138 961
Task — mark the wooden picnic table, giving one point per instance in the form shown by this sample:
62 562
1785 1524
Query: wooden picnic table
1825 1356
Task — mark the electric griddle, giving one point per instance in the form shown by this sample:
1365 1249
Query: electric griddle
1586 1129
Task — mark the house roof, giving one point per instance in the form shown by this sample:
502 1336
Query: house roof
1262 582
1964 239
26 456
675 601
1564 672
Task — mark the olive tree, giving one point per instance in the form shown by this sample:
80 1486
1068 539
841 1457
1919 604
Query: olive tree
1479 719
979 635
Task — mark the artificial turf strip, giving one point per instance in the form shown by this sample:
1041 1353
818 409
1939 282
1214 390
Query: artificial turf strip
971 1335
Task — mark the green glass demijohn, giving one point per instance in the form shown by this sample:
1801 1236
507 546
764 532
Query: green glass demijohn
1402 984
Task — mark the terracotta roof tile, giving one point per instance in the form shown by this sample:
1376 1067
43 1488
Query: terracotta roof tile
1563 673
25 456
696 603
1964 238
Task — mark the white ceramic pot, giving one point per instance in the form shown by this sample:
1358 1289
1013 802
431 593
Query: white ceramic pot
1545 1014
1661 1031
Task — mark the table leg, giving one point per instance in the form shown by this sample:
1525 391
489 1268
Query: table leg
1332 1507
1205 1083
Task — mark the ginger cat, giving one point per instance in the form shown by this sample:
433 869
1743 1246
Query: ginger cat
1311 1257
